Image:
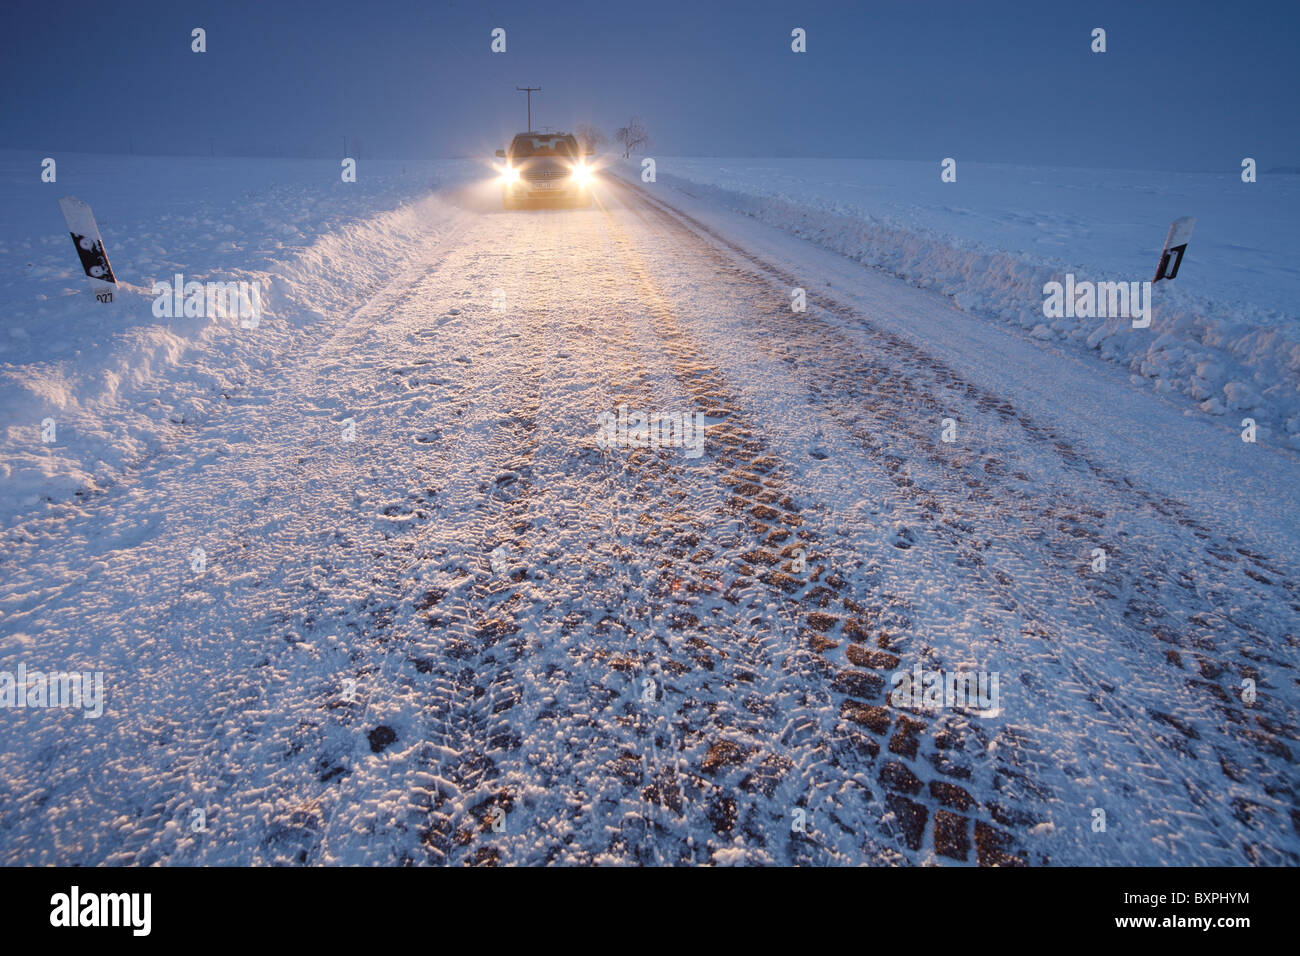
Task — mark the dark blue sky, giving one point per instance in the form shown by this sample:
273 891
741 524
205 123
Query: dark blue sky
1184 85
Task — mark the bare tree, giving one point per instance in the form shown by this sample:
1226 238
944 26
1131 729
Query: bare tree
632 136
591 137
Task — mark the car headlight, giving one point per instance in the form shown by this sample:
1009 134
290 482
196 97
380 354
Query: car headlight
581 174
509 175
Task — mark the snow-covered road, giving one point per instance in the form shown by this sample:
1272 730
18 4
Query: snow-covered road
437 622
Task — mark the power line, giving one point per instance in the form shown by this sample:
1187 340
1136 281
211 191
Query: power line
530 90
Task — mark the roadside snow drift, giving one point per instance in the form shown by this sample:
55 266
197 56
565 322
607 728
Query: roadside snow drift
1224 334
114 378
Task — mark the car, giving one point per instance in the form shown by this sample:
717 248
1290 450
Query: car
545 167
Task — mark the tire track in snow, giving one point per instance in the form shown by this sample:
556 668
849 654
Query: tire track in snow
759 482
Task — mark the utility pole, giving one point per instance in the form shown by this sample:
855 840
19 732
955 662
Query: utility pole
530 90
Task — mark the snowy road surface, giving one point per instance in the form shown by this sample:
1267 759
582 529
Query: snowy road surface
471 634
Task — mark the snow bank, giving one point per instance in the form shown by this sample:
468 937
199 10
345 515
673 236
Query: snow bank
118 382
1224 335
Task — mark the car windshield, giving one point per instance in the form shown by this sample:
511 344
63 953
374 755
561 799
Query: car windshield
541 146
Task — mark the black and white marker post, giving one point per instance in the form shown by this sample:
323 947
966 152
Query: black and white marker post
1171 257
90 247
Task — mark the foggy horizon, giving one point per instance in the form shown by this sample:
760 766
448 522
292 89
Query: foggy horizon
1183 90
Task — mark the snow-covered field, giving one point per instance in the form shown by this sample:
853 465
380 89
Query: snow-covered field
365 585
1225 334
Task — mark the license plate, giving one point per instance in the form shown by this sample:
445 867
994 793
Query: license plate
546 184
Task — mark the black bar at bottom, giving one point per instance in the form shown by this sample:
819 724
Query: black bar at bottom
363 906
